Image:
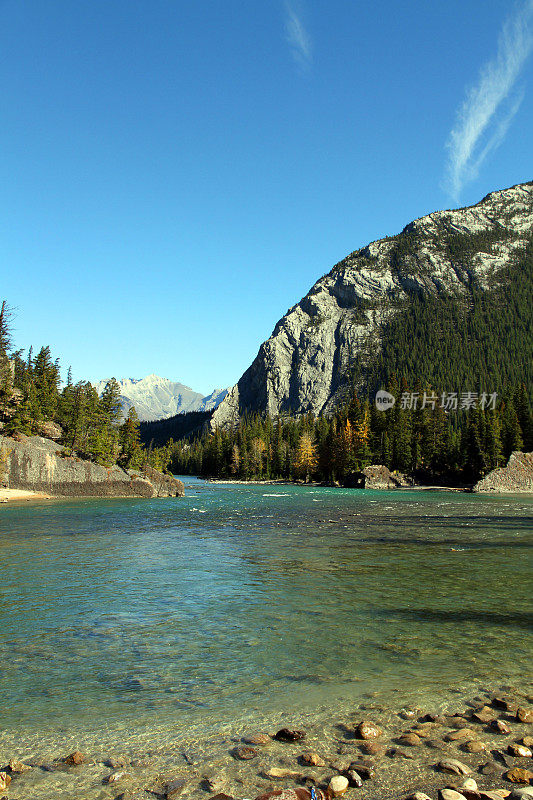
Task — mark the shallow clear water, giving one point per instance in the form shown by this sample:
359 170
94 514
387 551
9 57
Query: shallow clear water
237 600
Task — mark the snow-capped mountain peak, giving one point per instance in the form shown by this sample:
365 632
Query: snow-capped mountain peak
155 397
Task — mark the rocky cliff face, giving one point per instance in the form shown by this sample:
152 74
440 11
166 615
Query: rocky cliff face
516 476
304 364
35 463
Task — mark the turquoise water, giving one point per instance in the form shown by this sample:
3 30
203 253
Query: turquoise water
238 600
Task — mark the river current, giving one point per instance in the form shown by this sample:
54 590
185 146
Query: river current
240 603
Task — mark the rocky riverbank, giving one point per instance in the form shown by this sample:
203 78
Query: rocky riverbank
476 749
515 477
36 464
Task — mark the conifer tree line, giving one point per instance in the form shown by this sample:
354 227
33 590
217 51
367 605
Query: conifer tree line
33 401
426 443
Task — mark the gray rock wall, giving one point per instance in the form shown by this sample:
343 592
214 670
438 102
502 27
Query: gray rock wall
304 364
516 476
42 465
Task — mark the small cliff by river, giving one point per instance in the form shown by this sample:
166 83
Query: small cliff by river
516 476
42 465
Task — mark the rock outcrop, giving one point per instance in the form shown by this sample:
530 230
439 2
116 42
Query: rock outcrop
304 365
38 464
377 476
516 476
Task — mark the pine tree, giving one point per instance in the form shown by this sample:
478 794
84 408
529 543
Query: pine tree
131 455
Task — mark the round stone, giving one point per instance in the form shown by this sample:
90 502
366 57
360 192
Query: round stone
338 785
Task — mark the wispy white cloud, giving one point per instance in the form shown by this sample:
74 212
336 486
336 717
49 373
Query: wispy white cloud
491 104
297 35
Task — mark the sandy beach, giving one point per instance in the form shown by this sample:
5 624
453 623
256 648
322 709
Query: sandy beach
15 495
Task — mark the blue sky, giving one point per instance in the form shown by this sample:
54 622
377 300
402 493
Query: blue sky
175 175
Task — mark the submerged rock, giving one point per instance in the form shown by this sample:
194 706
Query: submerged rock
524 715
367 730
17 767
287 735
312 760
243 753
74 759
258 739
410 739
291 794
453 766
174 788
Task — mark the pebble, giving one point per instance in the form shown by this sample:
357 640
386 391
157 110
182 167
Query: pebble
469 784
519 751
354 778
527 741
524 715
367 730
174 788
483 715
278 773
457 721
338 785
243 753
474 747
5 780
462 735
366 771
409 713
75 759
453 766
291 794
489 768
500 726
114 777
340 764
219 796
287 735
257 739
499 794
438 719
17 767
519 775
395 752
372 748
312 760
410 739
117 762
418 796
214 783
450 794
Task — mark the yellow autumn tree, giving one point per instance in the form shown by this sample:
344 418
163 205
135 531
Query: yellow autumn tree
306 458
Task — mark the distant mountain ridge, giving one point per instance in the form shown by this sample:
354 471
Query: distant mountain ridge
158 398
446 301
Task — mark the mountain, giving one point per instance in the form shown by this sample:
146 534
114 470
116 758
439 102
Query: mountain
446 301
157 398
